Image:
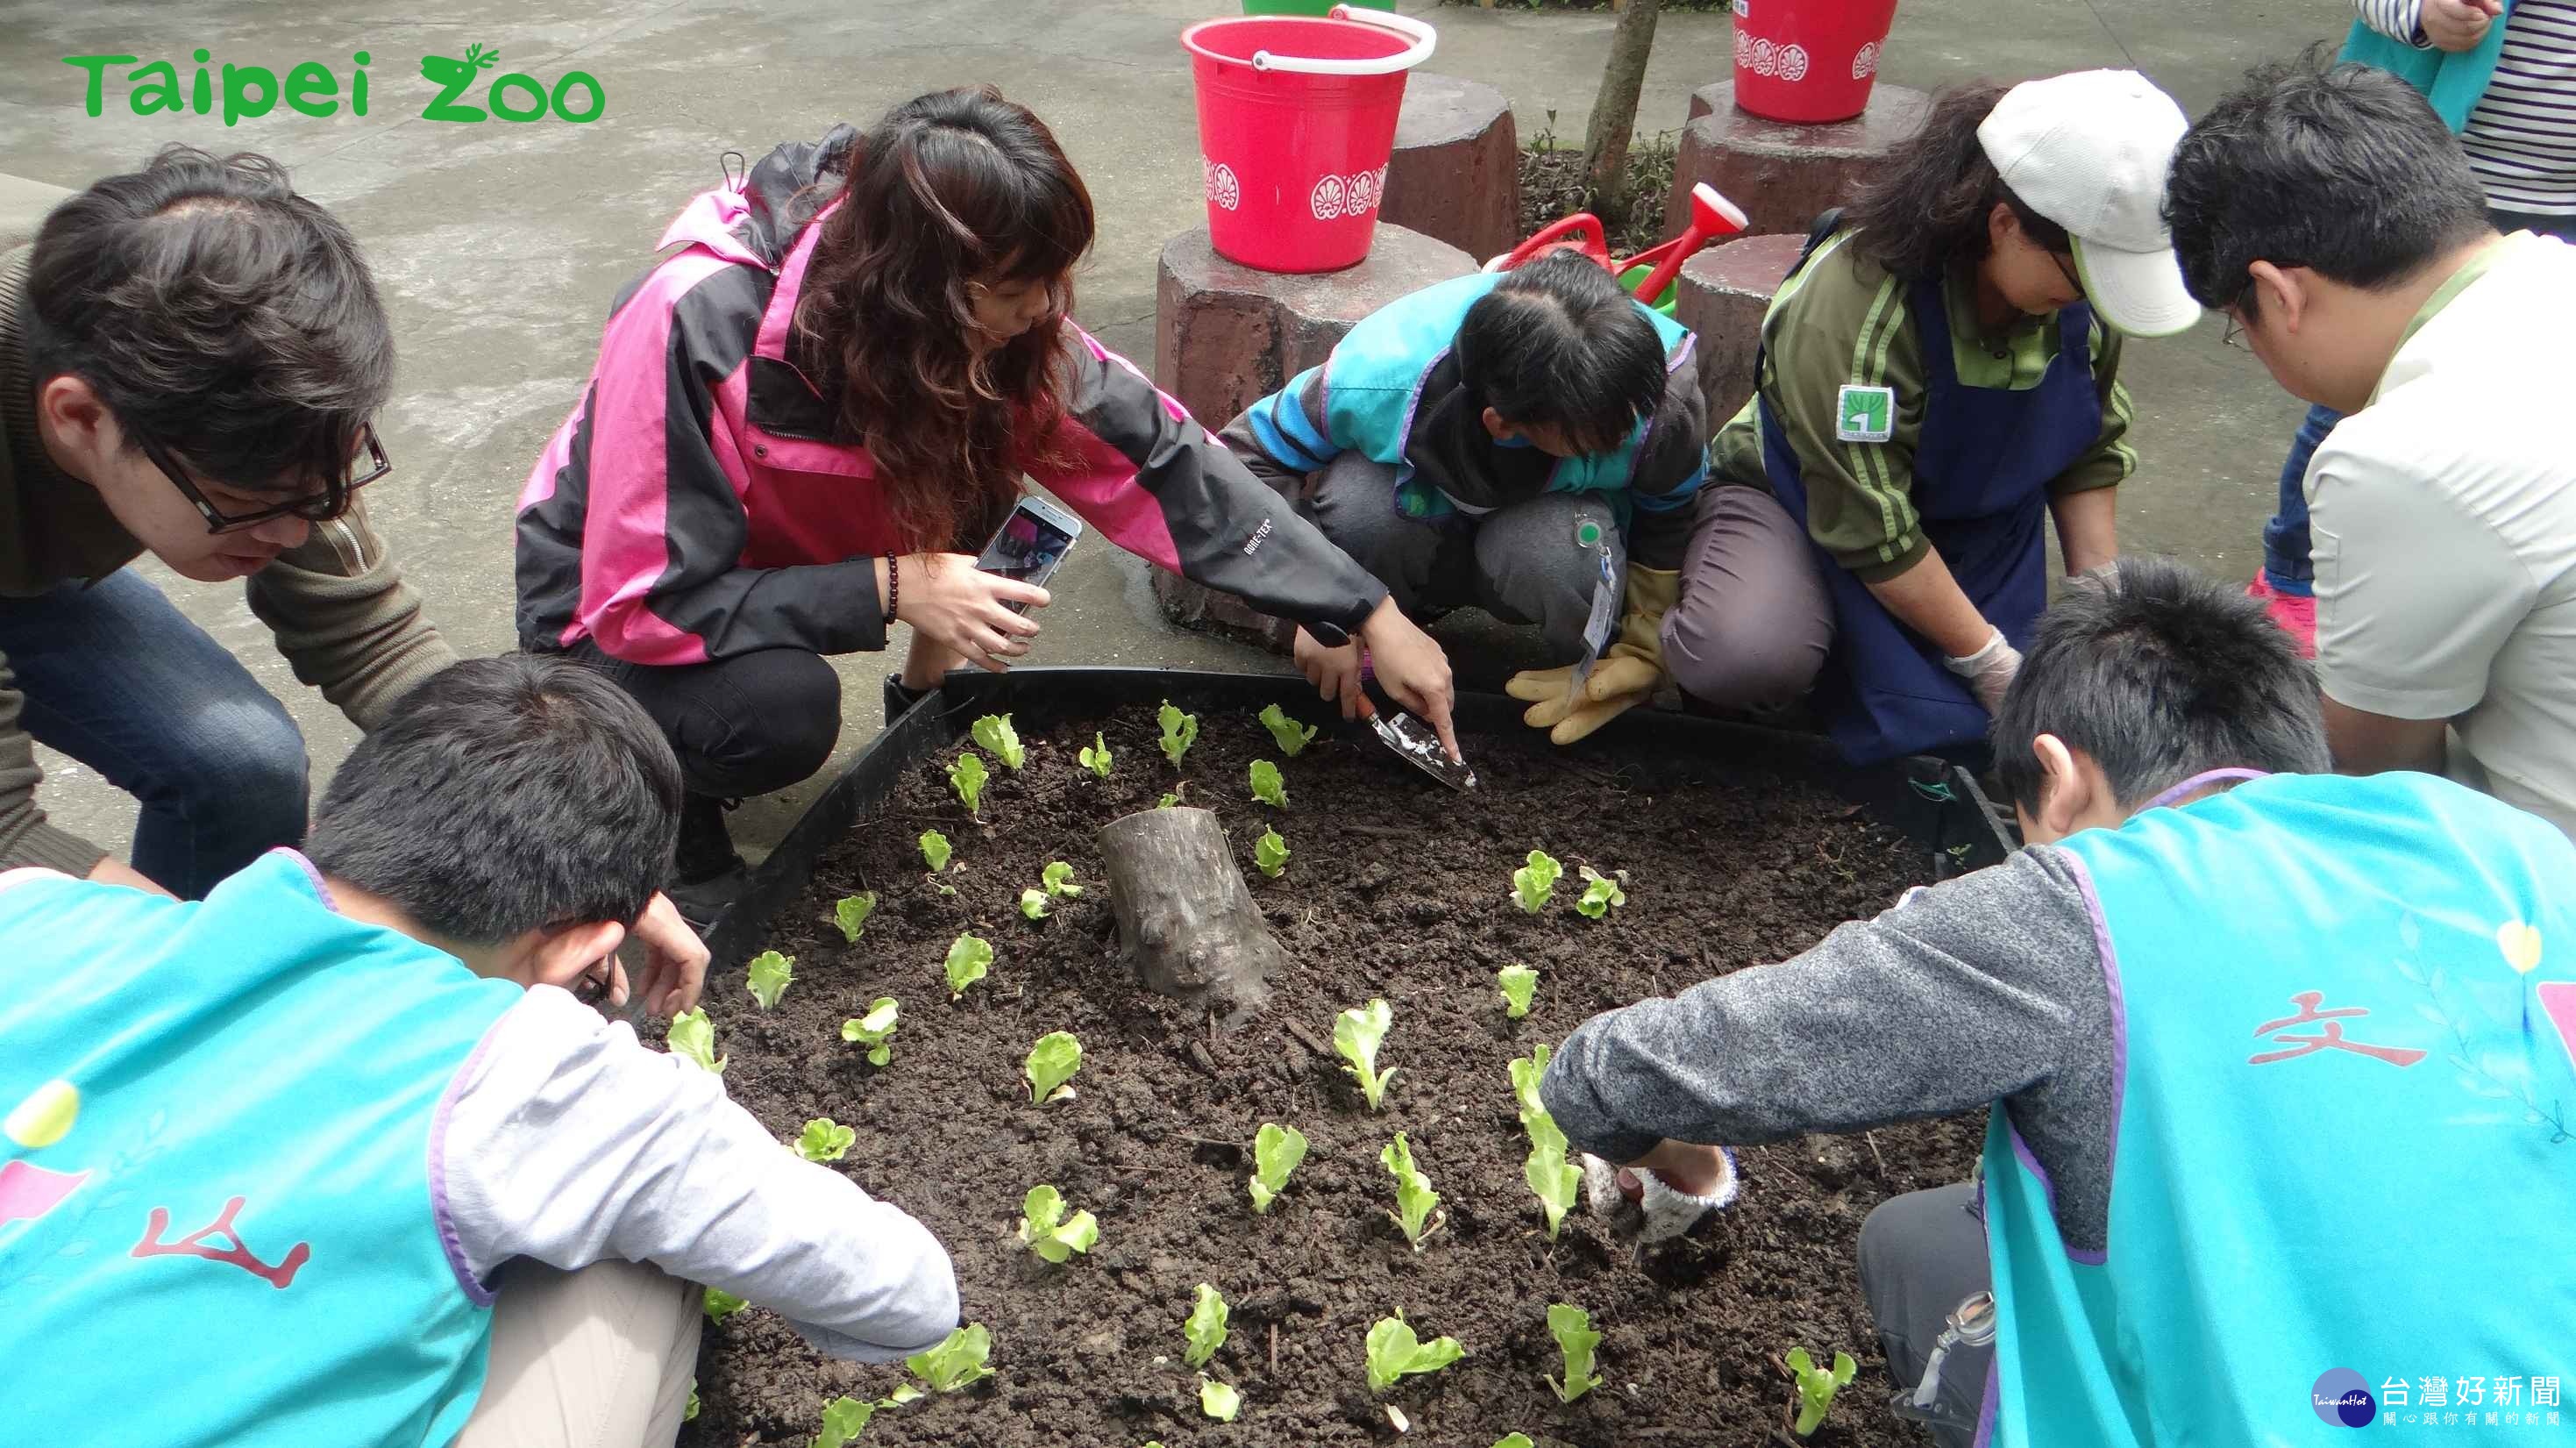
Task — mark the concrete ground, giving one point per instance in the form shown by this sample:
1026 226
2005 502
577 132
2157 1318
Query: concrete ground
499 245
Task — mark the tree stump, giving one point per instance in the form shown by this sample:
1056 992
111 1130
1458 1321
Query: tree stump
1186 923
1722 295
1782 173
1456 172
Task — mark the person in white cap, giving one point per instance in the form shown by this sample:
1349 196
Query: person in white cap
1939 377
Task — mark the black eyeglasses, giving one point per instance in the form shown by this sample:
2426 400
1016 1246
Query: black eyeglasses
2234 335
2066 269
317 507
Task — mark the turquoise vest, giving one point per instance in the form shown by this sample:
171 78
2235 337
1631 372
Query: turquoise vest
217 1219
2342 1137
2452 82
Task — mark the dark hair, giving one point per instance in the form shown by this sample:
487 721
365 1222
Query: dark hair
954 187
2339 168
1559 343
506 795
2159 673
219 316
1926 213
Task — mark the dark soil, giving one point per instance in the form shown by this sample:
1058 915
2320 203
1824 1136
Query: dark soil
1552 188
1395 889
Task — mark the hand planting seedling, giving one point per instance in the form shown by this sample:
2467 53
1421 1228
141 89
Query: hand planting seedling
693 1038
995 733
1095 756
1519 985
1601 894
1394 1352
1417 1206
771 973
1180 731
1046 1230
1526 1073
825 1140
1534 882
1267 787
1557 1182
1571 1326
1356 1034
934 850
1057 877
843 1420
1205 1329
1816 1387
721 1304
967 777
1033 904
872 1029
1276 1150
1270 853
851 913
1217 1400
957 1362
1052 1062
967 957
1293 737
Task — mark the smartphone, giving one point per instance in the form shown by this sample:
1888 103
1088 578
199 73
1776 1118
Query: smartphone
1030 544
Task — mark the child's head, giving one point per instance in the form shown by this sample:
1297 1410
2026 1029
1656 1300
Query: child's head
1558 355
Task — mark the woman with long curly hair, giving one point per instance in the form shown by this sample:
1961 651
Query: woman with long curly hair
805 423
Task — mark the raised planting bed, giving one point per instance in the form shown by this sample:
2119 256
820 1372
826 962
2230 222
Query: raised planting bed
1739 847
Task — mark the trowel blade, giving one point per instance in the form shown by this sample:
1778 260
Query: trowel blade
1414 743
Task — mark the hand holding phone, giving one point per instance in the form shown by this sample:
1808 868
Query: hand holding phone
1031 543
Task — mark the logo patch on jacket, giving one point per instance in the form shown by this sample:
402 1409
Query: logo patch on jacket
1865 414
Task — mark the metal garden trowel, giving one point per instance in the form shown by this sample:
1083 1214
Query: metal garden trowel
1410 738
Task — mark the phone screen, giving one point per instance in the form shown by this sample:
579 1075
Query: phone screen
1027 548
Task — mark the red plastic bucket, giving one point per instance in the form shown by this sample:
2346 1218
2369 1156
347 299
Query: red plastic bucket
1296 125
1808 60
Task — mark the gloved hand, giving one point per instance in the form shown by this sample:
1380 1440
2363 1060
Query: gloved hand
1638 1204
1628 674
1989 671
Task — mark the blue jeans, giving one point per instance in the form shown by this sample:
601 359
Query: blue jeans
119 679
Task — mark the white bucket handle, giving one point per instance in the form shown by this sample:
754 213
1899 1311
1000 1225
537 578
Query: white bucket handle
1422 36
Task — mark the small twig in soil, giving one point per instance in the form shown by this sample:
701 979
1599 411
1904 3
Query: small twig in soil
1872 1138
1307 1039
1199 1054
1384 832
1274 1349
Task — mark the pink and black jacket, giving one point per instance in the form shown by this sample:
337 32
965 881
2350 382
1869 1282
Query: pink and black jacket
699 504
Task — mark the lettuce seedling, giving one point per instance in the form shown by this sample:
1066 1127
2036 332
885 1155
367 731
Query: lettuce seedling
1514 1440
1052 1062
771 974
956 1362
1571 1326
967 957
721 1304
843 1420
1180 731
851 913
1033 904
995 733
872 1029
693 1038
1520 985
1267 787
1394 1352
1356 1035
825 1140
1217 1400
1057 877
1276 1150
1206 1326
1601 894
934 850
1416 1204
1095 756
1534 882
689 1414
1293 737
1526 1073
1047 1231
967 776
1816 1387
1167 801
1270 853
1556 1181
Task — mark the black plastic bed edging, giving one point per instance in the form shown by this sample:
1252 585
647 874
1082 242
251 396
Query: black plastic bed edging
1932 802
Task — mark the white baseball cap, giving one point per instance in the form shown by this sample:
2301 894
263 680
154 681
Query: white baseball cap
2089 151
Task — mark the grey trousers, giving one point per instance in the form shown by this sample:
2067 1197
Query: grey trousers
1921 1255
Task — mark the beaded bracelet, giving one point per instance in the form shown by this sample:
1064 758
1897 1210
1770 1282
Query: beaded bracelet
894 587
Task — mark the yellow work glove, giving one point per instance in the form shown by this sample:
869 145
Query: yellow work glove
1627 675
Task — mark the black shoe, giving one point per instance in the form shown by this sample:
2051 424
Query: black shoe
707 874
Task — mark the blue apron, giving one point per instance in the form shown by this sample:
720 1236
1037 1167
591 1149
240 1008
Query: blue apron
1981 475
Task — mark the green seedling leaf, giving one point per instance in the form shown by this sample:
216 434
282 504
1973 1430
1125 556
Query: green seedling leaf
1217 1400
1526 1073
1057 877
1276 1150
689 1414
1095 757
1394 1352
903 1393
1270 853
843 1420
1046 1230
693 1038
1556 1181
771 973
1356 1035
967 776
1520 985
1267 786
1601 894
1292 738
1571 1326
1514 1440
1052 1062
995 733
1180 731
1206 1326
1416 1204
934 850
956 1362
1534 882
968 955
721 1304
825 1140
1816 1387
1033 904
873 1029
851 913
1167 801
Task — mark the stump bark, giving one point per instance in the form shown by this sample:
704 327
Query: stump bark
1186 922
